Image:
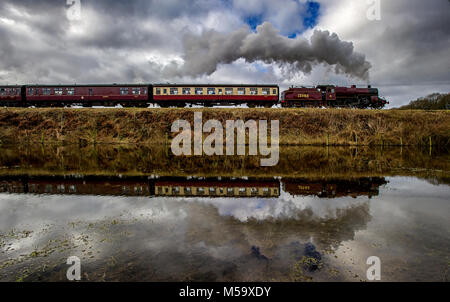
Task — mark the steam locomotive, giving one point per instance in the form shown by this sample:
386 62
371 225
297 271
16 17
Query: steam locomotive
332 96
166 95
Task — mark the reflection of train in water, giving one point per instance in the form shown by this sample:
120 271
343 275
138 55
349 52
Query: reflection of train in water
365 186
194 187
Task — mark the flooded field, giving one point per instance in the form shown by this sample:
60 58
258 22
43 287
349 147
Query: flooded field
141 214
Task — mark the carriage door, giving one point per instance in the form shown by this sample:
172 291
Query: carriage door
331 95
324 97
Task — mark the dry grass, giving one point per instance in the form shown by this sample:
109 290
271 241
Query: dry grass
297 126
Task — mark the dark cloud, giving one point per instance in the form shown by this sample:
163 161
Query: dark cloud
147 41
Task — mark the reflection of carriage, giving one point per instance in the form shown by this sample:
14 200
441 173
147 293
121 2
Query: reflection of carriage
218 188
142 186
90 186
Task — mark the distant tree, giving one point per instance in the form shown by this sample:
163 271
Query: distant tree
434 101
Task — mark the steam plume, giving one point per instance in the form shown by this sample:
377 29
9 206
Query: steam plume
205 52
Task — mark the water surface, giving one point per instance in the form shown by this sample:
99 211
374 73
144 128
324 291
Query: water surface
317 216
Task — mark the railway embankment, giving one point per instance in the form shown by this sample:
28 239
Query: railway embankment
334 127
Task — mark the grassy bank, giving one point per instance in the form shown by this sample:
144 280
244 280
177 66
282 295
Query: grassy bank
297 126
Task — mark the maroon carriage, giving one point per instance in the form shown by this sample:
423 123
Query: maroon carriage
11 96
134 95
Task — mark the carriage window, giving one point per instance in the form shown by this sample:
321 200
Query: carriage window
70 91
60 189
219 91
136 91
198 91
266 91
123 91
187 191
253 91
228 91
211 91
48 189
212 190
158 91
186 90
200 190
32 188
2 91
46 91
30 91
144 91
58 91
173 91
241 91
274 91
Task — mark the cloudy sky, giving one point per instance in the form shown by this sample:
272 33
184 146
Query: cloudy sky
289 42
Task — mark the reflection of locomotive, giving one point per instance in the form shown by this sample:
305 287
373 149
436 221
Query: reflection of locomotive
182 187
332 96
165 95
366 186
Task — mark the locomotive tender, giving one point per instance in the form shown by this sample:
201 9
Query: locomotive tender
166 95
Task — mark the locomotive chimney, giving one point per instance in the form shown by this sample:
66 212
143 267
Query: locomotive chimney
353 86
369 86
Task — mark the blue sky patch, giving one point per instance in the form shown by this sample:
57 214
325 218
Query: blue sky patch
254 21
312 14
310 19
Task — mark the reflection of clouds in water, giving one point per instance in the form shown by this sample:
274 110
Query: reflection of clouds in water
284 207
406 197
56 213
20 210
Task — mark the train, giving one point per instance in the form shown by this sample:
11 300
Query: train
181 95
